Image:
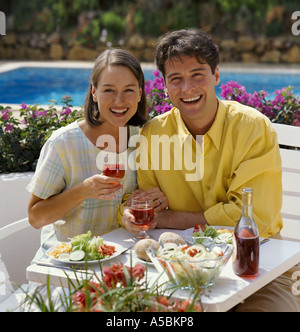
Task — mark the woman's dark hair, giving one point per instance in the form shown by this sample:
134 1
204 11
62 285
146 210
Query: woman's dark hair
187 42
115 57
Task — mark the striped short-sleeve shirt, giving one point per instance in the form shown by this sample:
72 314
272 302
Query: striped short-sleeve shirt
66 159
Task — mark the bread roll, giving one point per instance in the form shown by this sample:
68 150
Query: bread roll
141 247
169 237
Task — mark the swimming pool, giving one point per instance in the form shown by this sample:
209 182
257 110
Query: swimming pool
41 84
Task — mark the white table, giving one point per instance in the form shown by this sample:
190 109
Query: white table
276 257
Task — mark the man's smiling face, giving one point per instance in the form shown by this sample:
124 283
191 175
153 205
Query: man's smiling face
191 88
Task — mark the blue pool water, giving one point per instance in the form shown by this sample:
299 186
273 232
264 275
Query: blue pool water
33 85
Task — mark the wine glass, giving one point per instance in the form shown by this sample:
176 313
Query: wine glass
114 166
143 211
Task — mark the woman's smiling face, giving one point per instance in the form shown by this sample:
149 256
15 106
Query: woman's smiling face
117 95
191 88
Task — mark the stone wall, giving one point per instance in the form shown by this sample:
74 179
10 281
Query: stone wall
247 49
55 47
244 49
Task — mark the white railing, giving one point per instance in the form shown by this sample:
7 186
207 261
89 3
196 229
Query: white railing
289 141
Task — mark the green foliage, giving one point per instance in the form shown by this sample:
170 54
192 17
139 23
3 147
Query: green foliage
113 22
148 24
274 29
181 16
83 5
232 6
89 34
21 140
152 17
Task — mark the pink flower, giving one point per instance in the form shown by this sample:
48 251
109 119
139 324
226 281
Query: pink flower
163 107
9 128
5 115
115 273
230 89
148 88
279 100
297 123
24 106
42 113
138 271
66 111
257 99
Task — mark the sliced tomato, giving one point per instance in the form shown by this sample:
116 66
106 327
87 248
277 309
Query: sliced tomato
193 252
183 249
198 228
108 250
100 249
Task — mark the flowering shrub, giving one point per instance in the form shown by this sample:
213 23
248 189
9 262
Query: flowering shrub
22 138
158 102
121 289
284 108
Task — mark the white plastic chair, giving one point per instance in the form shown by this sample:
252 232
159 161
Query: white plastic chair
13 228
11 300
289 136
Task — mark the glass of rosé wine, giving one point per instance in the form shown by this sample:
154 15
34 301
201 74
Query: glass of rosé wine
114 170
114 166
143 211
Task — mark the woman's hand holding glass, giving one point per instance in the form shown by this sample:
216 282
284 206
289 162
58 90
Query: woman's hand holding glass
100 186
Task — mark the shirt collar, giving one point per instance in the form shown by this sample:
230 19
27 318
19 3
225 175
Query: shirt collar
215 132
183 132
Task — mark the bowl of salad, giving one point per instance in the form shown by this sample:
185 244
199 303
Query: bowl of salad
195 264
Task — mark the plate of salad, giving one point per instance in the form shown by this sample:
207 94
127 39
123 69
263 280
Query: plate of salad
84 248
219 234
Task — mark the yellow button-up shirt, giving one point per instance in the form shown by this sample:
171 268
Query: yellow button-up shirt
239 150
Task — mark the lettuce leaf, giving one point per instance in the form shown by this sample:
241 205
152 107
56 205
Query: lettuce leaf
80 242
89 245
92 248
209 231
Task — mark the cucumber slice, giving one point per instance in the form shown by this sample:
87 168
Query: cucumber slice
64 257
77 255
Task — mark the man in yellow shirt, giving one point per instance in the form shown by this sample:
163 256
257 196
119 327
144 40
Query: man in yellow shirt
239 150
204 151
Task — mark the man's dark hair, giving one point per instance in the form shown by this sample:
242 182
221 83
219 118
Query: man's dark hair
187 42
